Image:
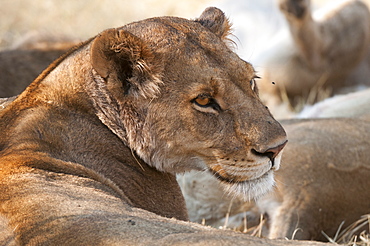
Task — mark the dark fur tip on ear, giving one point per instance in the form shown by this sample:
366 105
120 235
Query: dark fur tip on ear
216 21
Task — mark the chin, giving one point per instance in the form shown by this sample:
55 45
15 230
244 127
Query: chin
251 189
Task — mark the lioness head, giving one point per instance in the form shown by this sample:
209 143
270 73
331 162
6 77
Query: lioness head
186 100
176 94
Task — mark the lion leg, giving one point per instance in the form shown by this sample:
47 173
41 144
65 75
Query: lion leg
304 30
337 41
291 222
345 35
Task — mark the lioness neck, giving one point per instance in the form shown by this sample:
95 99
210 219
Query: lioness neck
55 124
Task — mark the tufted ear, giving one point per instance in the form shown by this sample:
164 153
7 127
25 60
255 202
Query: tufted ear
125 63
216 21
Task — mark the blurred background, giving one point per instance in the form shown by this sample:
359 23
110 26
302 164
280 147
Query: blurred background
255 22
82 19
260 32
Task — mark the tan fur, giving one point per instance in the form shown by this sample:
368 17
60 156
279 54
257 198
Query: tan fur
329 54
323 181
89 150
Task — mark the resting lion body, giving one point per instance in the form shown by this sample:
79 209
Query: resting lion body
323 181
89 151
21 65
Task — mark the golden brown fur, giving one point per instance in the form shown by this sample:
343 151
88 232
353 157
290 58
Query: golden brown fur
89 150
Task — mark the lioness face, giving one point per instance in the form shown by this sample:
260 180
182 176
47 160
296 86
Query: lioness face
193 103
216 122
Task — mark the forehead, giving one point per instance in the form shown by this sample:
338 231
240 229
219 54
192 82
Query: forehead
173 36
189 50
168 32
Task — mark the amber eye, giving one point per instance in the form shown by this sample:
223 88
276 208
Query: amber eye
202 100
206 102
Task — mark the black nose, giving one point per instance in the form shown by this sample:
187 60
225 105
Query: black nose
271 153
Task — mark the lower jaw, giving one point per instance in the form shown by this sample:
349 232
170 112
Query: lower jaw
238 180
250 189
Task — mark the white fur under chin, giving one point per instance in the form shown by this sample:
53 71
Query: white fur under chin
252 189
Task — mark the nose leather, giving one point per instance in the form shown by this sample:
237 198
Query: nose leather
271 153
275 150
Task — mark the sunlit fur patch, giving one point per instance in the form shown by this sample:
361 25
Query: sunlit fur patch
251 189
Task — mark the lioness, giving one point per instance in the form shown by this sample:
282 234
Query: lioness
326 51
89 151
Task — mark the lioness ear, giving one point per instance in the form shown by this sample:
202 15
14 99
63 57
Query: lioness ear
216 21
125 63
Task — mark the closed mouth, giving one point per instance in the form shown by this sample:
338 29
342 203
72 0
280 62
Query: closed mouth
233 180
